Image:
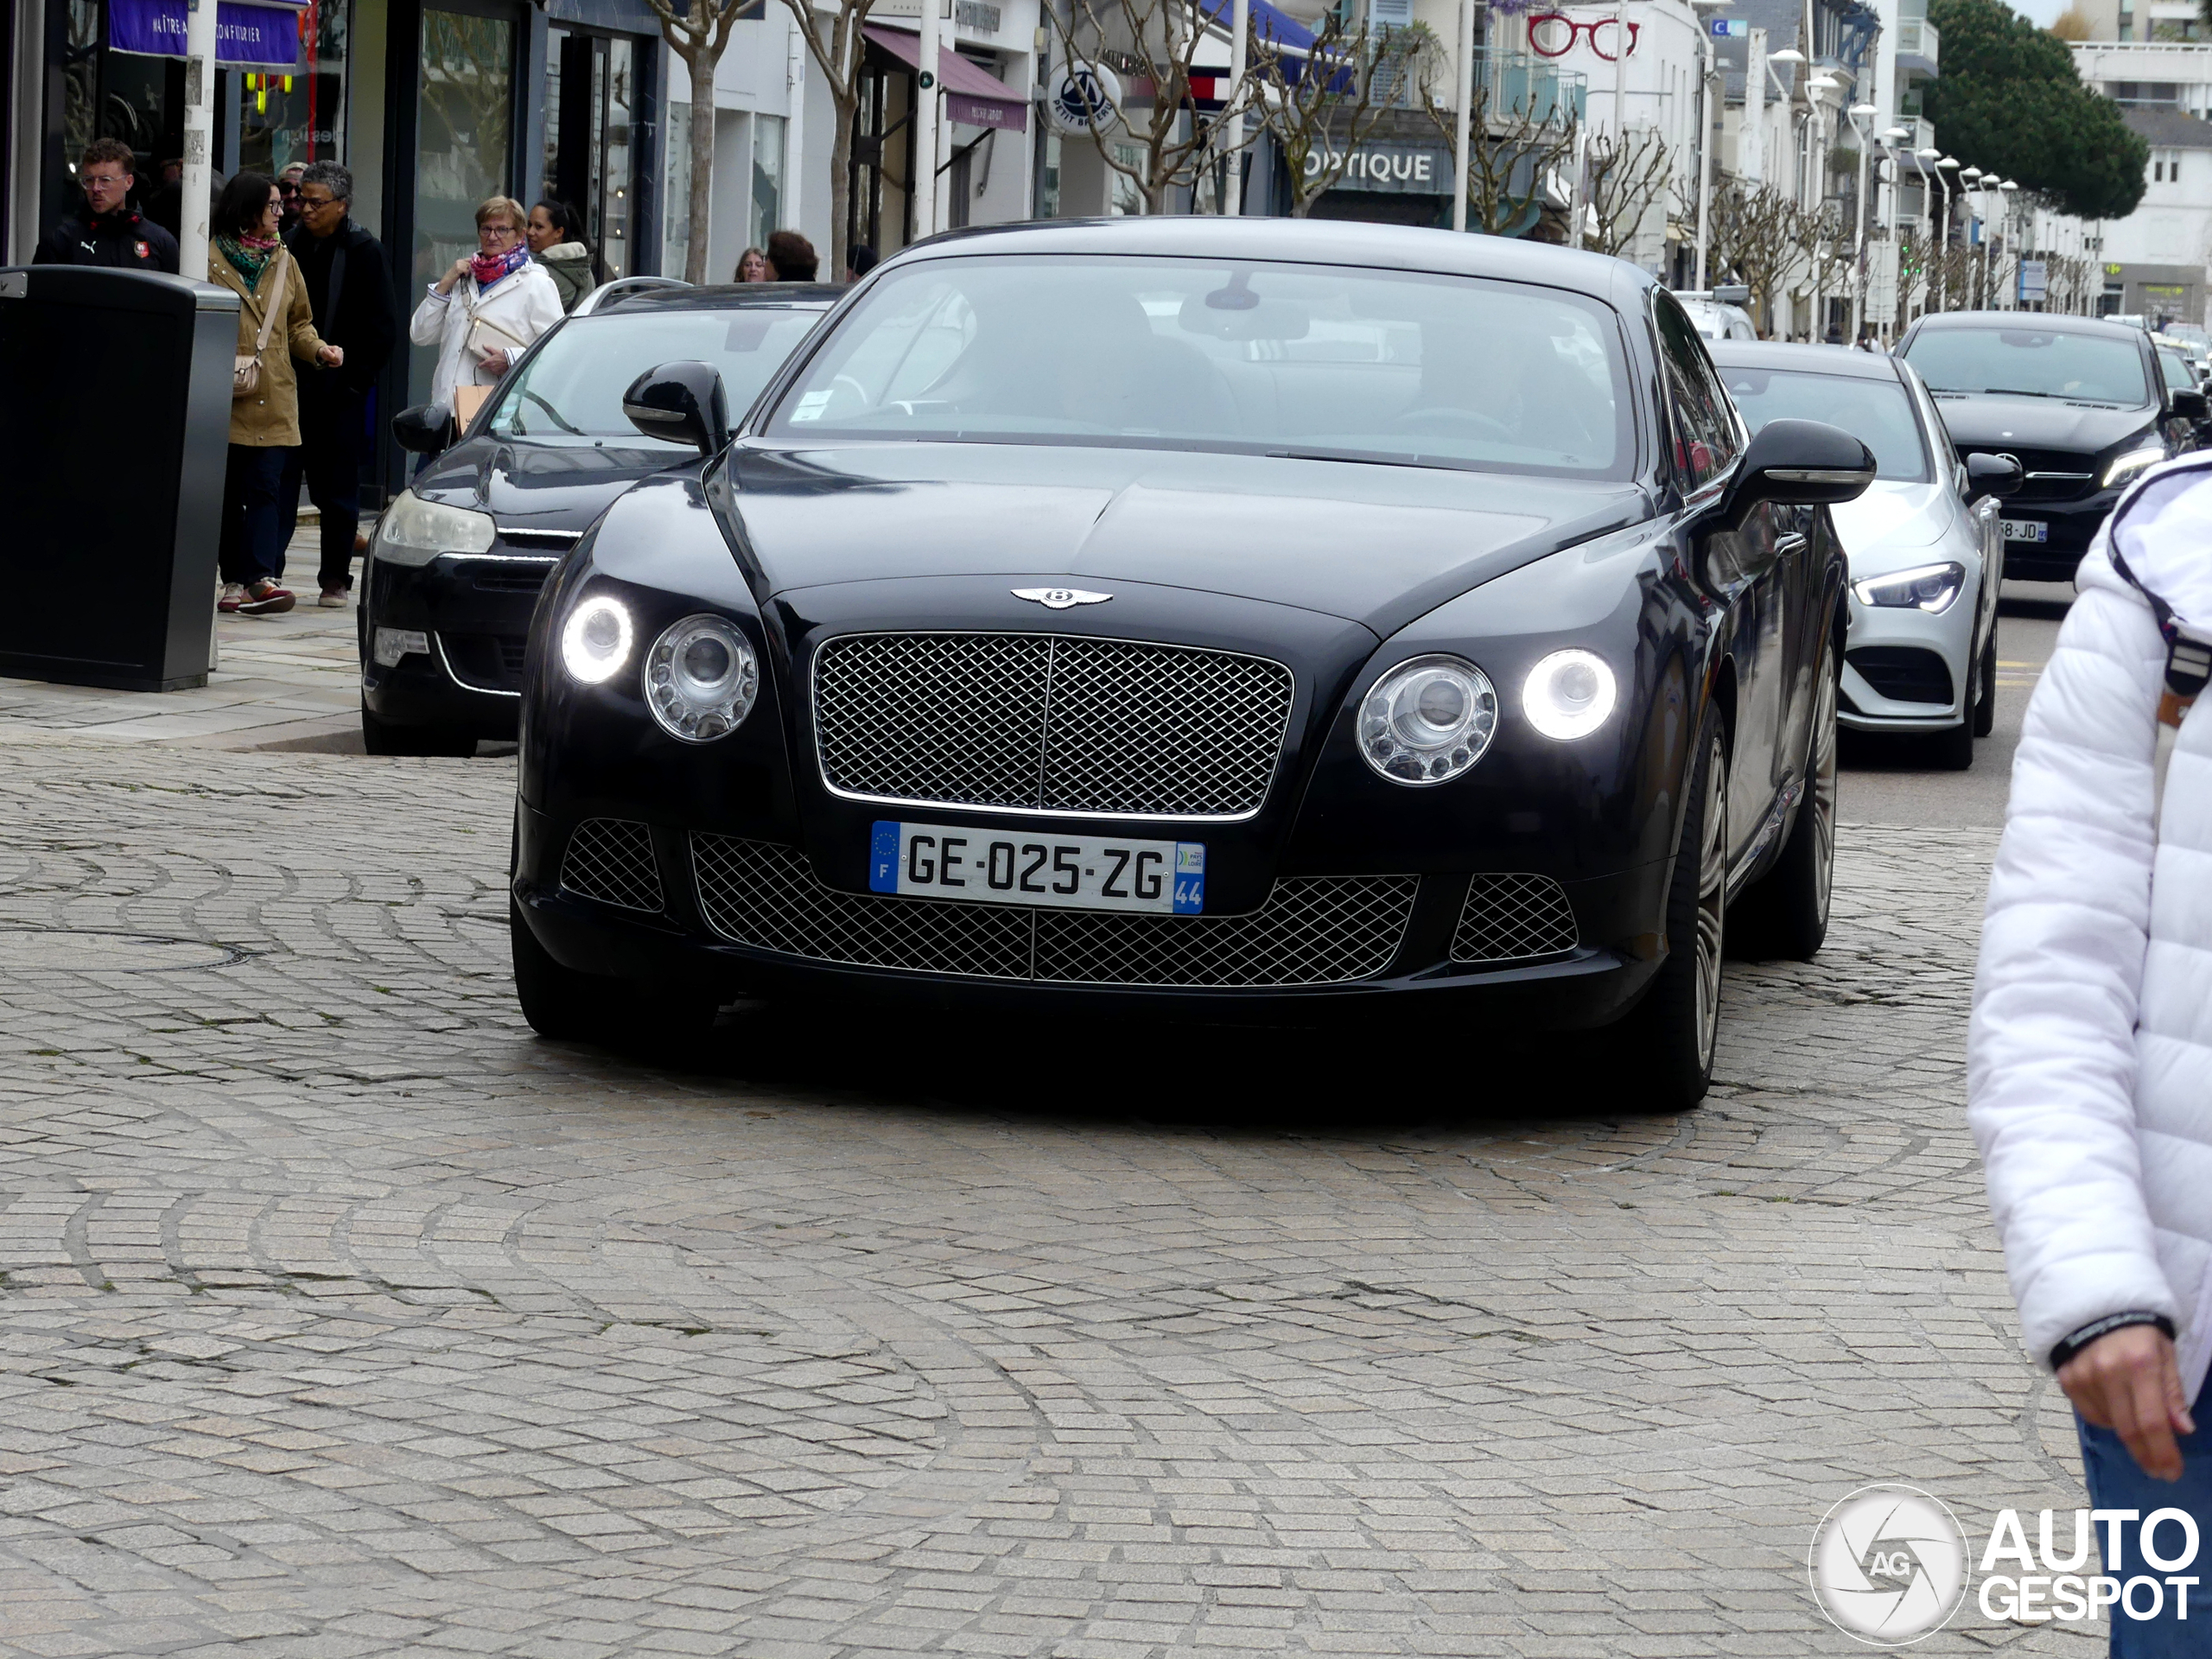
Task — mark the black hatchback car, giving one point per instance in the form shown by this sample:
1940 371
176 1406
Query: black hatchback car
458 558
2079 403
1194 617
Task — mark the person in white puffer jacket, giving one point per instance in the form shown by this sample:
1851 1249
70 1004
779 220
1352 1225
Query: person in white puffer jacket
2089 1061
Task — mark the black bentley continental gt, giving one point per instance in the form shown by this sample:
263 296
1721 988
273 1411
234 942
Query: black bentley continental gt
1207 619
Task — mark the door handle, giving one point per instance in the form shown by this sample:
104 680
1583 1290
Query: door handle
1793 541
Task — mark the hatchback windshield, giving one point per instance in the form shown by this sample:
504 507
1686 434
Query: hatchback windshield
1876 412
574 386
1320 361
2032 363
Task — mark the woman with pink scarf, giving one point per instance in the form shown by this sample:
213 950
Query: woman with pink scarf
483 314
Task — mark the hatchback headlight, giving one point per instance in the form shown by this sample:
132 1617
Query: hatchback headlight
2135 462
1929 588
1428 720
1569 695
595 639
701 679
415 532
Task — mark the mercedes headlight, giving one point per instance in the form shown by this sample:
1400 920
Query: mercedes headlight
2132 464
1428 720
1929 588
595 639
1569 695
701 679
415 532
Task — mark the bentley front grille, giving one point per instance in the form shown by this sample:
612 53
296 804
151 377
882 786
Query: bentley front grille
1049 723
612 860
1322 930
1513 918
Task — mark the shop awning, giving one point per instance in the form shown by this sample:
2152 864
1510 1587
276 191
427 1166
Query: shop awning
1271 23
249 33
972 97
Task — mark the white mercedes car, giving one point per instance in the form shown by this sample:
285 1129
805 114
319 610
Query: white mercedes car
1924 542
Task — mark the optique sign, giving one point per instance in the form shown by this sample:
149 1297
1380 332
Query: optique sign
1406 169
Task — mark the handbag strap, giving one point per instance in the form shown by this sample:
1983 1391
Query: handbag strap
276 304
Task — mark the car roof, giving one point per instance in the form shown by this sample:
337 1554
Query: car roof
1840 360
2037 322
722 296
1312 241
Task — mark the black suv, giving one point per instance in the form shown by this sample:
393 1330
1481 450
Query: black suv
458 558
2080 403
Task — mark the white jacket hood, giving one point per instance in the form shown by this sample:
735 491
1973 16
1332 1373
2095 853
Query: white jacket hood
2166 539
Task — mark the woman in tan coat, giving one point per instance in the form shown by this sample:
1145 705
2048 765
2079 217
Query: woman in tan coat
276 324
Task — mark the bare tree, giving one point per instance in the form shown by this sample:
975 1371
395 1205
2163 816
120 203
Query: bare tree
1753 233
1153 43
1323 105
697 31
834 41
1511 154
1624 175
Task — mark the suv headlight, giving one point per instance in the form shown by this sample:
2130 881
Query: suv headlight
415 532
1428 720
1929 588
701 679
2129 465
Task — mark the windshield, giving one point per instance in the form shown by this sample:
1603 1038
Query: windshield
1319 361
574 386
2088 368
1876 412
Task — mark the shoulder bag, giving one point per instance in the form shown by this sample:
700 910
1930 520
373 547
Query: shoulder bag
246 371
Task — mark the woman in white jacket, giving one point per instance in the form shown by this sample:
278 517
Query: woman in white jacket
2089 1080
485 312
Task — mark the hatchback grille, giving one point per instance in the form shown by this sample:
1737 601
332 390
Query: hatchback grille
1513 918
1326 931
612 860
510 575
1050 723
486 662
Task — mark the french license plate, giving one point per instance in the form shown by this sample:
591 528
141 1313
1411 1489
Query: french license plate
2024 530
1165 878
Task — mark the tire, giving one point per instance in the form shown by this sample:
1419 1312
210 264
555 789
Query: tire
1985 702
572 1007
1785 915
1953 749
1665 1045
382 737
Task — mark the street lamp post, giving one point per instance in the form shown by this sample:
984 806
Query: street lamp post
1705 77
2010 196
1943 278
1820 87
1233 190
1861 116
1464 75
1970 193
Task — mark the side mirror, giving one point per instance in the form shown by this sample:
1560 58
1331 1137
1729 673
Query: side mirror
2191 405
680 402
424 429
1997 475
1801 463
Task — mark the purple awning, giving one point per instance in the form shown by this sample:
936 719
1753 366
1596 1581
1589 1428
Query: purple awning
972 97
247 36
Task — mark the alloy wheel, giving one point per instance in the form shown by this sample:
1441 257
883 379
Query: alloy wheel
1712 900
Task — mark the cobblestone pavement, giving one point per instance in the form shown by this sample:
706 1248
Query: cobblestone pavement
344 1316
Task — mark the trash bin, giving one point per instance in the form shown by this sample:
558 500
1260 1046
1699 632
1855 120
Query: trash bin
114 432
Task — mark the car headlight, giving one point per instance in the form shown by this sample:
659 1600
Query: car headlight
1570 694
701 679
595 640
1428 719
2132 463
415 532
1929 588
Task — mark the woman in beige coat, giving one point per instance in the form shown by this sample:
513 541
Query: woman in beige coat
276 324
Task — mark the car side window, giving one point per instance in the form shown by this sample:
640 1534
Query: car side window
1705 426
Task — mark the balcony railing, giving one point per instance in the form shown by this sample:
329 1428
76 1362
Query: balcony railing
1918 38
1512 84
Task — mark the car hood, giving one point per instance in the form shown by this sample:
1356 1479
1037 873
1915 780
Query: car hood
544 484
1995 423
1374 544
1891 517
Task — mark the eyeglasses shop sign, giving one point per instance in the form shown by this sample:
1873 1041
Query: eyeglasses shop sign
1406 169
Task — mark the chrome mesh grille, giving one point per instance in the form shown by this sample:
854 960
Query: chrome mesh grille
1048 722
1513 919
1325 930
612 860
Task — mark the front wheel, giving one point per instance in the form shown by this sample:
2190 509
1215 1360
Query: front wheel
654 1022
1667 1044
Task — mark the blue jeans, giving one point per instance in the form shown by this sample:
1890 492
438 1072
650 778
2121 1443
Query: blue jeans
250 549
2115 1483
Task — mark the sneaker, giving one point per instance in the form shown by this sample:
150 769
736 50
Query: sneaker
265 598
332 598
234 595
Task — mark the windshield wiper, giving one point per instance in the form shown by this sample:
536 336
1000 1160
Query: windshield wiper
2013 391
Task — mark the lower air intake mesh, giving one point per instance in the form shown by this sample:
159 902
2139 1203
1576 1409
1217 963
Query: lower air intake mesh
612 860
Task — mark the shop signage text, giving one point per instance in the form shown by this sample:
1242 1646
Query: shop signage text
1409 169
246 36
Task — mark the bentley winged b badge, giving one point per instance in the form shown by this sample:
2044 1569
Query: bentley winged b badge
1060 598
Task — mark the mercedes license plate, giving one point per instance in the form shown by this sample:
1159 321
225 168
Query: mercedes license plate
1166 877
2024 530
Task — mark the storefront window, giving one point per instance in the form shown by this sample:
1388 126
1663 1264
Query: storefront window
284 118
676 196
766 215
464 144
590 161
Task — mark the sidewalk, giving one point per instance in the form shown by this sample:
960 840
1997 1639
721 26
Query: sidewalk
290 682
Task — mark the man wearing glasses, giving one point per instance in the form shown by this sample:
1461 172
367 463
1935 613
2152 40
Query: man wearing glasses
109 230
288 199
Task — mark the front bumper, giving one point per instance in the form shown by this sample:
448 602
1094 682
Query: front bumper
2074 525
1897 649
474 614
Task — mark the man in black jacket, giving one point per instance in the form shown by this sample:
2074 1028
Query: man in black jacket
109 230
349 288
